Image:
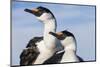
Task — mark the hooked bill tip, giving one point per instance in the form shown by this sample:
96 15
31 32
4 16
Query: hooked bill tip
28 10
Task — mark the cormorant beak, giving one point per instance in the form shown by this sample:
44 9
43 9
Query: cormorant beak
33 11
57 35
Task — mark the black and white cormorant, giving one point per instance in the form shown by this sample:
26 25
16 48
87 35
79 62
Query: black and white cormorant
47 46
68 41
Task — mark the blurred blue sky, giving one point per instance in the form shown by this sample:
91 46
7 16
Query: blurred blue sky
80 20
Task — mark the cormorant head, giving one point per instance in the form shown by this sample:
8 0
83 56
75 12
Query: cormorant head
62 35
67 39
42 13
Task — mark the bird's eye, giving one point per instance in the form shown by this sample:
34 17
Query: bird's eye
62 37
40 12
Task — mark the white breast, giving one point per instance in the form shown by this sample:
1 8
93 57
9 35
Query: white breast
69 56
45 53
69 44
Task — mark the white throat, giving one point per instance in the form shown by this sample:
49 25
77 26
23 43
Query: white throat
50 25
69 43
49 40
